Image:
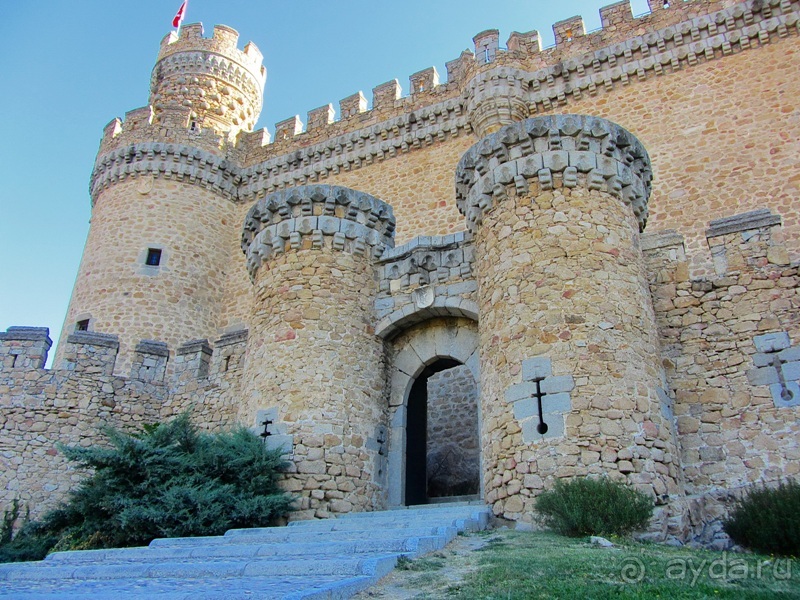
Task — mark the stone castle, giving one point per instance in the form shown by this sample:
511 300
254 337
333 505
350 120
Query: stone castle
570 261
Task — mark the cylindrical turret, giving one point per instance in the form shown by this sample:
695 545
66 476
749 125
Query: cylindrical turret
571 377
220 86
164 210
314 361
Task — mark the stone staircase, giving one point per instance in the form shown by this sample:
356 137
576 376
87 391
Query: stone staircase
327 559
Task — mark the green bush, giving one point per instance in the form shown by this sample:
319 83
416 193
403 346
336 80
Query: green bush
581 507
168 480
768 519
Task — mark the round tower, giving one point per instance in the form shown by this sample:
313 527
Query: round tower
210 79
571 377
164 200
314 373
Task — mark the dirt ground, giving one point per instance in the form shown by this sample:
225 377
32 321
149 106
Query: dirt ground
430 576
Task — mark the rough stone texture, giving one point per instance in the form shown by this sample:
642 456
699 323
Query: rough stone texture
311 318
547 261
453 448
720 337
178 300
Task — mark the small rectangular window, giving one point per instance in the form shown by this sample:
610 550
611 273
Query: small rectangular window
82 325
153 257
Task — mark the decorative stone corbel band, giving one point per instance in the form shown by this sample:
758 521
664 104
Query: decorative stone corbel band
175 162
316 216
554 151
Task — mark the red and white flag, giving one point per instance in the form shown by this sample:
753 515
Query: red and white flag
176 22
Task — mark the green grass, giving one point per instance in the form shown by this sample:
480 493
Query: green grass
517 566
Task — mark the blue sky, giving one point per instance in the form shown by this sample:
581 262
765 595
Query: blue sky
69 67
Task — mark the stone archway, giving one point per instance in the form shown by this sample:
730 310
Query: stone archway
418 353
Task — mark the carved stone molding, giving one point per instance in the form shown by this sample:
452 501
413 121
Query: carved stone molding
168 161
554 151
316 217
741 27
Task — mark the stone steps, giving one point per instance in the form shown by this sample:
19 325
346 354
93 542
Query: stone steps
333 558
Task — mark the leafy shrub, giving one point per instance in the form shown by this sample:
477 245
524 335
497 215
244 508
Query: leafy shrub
768 519
581 507
168 480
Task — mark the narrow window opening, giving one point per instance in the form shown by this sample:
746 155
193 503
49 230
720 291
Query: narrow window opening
153 257
193 125
13 360
226 363
486 55
82 325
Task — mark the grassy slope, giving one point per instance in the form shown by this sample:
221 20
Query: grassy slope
516 566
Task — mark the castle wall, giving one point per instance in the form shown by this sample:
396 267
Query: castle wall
730 342
178 300
696 392
41 409
453 446
723 138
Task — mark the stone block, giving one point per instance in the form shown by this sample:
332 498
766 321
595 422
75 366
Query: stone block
789 355
791 371
764 360
557 403
526 408
785 397
520 391
763 376
559 383
555 429
756 219
536 368
772 342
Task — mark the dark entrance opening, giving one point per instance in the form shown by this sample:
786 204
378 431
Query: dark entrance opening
442 452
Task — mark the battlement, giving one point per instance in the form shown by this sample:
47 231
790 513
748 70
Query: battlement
94 354
571 39
475 96
224 41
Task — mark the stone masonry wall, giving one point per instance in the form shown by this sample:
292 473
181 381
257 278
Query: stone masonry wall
453 442
722 334
691 101
42 408
178 300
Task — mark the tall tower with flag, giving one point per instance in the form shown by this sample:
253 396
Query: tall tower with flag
161 238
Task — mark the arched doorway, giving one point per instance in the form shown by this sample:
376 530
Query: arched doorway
434 443
442 449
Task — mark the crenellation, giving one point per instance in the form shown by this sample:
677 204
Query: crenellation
353 105
386 95
192 360
458 68
288 128
424 81
90 353
528 43
568 30
753 239
487 45
320 117
150 360
24 348
616 14
229 352
139 117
